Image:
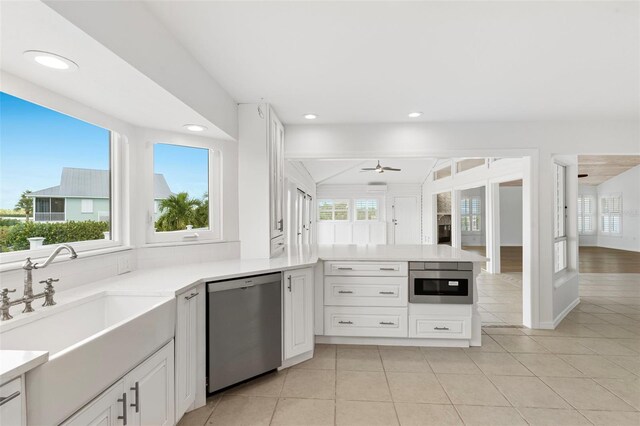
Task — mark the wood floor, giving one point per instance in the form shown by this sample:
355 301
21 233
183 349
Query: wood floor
597 260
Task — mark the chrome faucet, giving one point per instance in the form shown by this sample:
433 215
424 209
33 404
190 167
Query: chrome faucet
28 266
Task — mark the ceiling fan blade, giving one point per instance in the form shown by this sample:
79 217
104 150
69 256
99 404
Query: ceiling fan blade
366 169
582 175
391 169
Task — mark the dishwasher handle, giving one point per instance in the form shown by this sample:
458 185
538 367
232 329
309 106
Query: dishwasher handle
245 283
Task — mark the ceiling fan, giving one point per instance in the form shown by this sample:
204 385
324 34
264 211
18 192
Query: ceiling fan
582 175
379 169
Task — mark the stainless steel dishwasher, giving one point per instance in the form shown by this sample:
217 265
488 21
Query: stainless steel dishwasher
244 329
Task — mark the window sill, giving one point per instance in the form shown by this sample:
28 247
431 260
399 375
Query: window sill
186 243
563 277
12 266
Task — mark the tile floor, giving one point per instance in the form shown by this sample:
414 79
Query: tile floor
586 372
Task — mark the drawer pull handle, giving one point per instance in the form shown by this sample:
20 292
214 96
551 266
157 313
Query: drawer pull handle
387 323
345 322
387 269
441 328
5 399
343 268
345 292
125 407
387 292
191 296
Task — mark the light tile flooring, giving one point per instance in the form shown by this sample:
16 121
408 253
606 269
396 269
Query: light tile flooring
500 299
585 372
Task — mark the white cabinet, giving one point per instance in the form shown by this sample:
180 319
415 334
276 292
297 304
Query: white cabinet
106 410
150 390
365 291
366 269
12 403
190 314
260 181
143 397
365 321
439 327
298 312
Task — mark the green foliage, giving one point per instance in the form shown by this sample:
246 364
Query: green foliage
8 222
179 210
25 204
15 237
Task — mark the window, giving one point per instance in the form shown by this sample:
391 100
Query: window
86 206
366 209
468 164
471 214
559 228
442 173
185 205
55 175
333 210
611 214
585 214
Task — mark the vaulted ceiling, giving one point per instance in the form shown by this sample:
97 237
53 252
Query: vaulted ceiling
601 168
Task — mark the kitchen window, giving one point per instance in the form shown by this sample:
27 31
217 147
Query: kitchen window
559 222
337 210
366 209
56 175
186 193
611 214
471 214
586 204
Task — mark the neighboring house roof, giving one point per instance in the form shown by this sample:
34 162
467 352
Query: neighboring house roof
92 183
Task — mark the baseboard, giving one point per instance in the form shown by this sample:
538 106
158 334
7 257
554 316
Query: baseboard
557 320
393 341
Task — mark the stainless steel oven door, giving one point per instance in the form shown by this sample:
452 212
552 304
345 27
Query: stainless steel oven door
455 287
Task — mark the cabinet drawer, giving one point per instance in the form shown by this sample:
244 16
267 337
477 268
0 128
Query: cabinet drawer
380 269
365 322
365 291
441 328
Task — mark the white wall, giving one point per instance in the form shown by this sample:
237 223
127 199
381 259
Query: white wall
590 239
135 190
627 184
353 232
470 238
511 216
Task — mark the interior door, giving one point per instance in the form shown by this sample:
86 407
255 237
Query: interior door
406 228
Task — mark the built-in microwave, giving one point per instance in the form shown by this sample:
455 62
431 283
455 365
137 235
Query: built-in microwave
441 282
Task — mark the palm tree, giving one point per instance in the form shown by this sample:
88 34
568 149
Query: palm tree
178 211
25 203
201 219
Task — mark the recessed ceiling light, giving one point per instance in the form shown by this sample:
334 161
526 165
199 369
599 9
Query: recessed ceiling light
415 114
51 60
194 127
310 116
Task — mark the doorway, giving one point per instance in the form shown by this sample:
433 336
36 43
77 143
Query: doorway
443 214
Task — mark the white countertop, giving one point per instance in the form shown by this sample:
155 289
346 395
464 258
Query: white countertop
16 363
176 279
410 253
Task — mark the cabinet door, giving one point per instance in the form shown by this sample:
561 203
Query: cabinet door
298 312
276 169
186 348
150 390
12 403
106 410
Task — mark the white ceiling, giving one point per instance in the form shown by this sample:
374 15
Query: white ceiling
454 61
414 170
104 81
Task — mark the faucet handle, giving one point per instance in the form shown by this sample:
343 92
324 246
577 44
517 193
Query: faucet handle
49 281
5 292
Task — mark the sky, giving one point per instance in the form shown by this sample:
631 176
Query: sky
37 142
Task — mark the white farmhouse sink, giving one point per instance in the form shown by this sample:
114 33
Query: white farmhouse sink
92 343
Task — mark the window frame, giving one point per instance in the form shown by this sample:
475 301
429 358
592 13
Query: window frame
602 214
215 231
88 201
582 215
471 214
116 203
560 226
367 218
347 201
